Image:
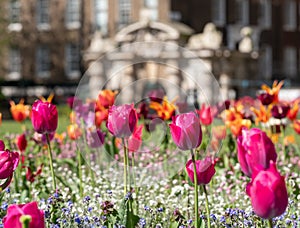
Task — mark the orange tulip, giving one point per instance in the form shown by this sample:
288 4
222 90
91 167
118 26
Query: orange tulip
74 131
296 126
49 99
237 125
293 111
101 116
274 91
20 111
164 110
262 114
106 98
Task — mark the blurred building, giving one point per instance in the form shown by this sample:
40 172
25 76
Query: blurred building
47 39
275 25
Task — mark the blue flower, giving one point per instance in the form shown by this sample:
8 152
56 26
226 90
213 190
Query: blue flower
160 209
77 220
4 206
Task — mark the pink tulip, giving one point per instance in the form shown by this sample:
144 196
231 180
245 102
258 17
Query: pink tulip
186 131
95 138
15 212
44 117
135 140
268 192
205 115
255 148
122 120
21 142
8 163
205 170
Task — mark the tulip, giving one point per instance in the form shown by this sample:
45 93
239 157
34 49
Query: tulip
101 116
74 132
280 111
22 142
164 110
44 117
205 170
135 140
274 91
106 98
265 98
268 192
17 213
122 120
8 163
30 176
219 132
19 111
2 145
296 126
205 115
186 131
70 101
255 149
293 112
95 138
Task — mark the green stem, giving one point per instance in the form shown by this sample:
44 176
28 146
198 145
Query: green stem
270 223
51 162
134 182
80 172
206 206
195 191
125 167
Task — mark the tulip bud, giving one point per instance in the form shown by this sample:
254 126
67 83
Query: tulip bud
186 131
255 148
205 170
268 192
205 115
21 142
44 117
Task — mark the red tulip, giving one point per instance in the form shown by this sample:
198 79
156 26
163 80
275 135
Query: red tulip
265 98
135 140
186 131
205 115
122 120
205 170
15 212
255 149
44 117
21 142
8 163
268 192
106 98
280 111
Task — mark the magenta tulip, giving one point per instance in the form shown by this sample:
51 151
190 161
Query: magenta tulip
2 145
122 120
268 192
44 117
186 131
255 148
8 163
15 213
205 170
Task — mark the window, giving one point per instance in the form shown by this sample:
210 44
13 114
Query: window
42 14
72 61
219 12
73 14
152 6
14 69
290 61
242 12
43 61
289 15
124 12
265 16
14 15
101 15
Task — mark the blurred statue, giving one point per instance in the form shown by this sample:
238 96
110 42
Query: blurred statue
211 38
246 43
